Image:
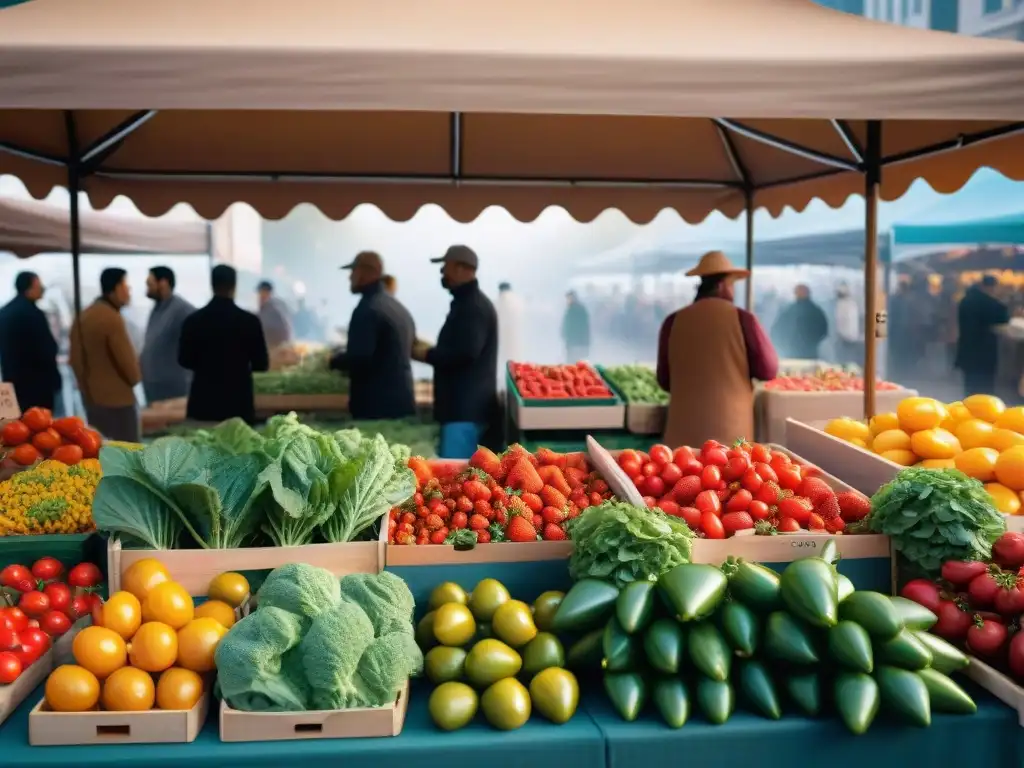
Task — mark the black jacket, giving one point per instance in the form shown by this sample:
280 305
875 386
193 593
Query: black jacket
977 349
28 354
465 359
380 338
222 345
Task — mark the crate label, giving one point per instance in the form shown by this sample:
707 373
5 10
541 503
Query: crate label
9 409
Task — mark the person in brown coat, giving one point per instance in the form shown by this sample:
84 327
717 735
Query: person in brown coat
105 362
708 353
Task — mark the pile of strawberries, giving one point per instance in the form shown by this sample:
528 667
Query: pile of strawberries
720 490
575 382
515 496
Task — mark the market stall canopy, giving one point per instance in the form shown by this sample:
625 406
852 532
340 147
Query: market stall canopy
996 230
587 104
28 227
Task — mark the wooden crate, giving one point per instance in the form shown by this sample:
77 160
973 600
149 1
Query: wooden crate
194 569
368 722
62 645
593 413
300 403
864 470
13 694
999 685
154 726
646 418
772 408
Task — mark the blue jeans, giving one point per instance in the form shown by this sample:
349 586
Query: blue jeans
459 439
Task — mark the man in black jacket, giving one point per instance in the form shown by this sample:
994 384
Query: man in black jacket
222 345
380 340
977 353
465 359
28 351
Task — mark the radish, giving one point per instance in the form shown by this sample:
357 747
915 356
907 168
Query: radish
960 573
923 592
1008 551
982 590
953 621
986 637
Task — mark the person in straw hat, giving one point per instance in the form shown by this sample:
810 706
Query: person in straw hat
708 353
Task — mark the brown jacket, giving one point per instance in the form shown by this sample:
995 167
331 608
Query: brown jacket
103 357
711 393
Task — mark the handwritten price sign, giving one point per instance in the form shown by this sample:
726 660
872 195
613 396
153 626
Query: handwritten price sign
9 409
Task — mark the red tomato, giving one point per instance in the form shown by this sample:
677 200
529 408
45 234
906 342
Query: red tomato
650 502
740 501
654 486
630 466
68 426
711 478
84 575
644 458
758 510
712 525
54 623
682 455
47 568
661 454
735 468
779 460
708 501
760 453
68 454
59 595
960 573
788 525
25 455
46 441
17 577
789 477
36 637
714 456
765 472
37 419
923 592
649 469
629 455
751 480
17 617
10 668
1010 602
638 480
8 638
983 590
671 474
691 467
710 445
35 603
736 521
986 637
15 433
669 507
691 516
89 441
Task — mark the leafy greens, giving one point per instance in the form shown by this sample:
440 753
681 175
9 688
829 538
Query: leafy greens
936 515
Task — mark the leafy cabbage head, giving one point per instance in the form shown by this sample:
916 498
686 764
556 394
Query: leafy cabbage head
331 651
303 590
384 597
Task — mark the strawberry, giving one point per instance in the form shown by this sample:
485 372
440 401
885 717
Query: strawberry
434 522
501 516
422 538
815 523
538 521
512 456
827 507
553 532
487 461
533 502
553 515
483 536
464 504
797 508
577 461
686 489
478 522
483 508
404 538
421 469
598 485
834 524
553 476
459 520
736 521
517 505
476 490
520 529
575 477
552 497
438 536
814 488
549 458
523 477
769 493
574 511
853 506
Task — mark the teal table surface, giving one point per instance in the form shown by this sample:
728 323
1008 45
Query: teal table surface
990 738
538 744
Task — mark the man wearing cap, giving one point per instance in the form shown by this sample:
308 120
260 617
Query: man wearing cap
381 334
708 353
465 359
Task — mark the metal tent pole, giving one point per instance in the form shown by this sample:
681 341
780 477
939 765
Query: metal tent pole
74 187
750 250
874 321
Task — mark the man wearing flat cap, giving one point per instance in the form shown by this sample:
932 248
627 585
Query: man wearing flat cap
708 353
465 358
381 334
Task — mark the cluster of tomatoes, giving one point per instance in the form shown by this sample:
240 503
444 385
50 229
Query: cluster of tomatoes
825 381
37 435
981 605
721 490
542 382
38 604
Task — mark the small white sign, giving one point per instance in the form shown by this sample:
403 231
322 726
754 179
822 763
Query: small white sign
881 324
9 409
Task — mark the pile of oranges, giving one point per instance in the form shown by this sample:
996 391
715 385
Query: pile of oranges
980 436
149 645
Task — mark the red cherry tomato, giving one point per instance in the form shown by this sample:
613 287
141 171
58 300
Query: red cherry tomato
54 623
17 617
789 477
690 467
649 501
712 526
15 433
59 595
760 453
691 516
788 525
765 472
708 501
711 478
661 454
740 501
630 466
736 521
735 468
758 510
671 474
751 480
629 455
81 605
10 668
17 577
84 575
682 455
47 568
710 445
34 604
669 507
649 469
8 638
715 456
654 486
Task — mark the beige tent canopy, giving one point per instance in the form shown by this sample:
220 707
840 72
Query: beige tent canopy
28 227
696 105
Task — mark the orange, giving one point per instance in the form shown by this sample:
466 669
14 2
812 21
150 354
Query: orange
143 575
128 690
891 440
1005 500
934 444
937 464
99 650
217 610
231 588
957 413
974 433
122 613
858 442
917 413
72 689
154 647
1010 468
178 688
168 603
1004 439
197 642
979 463
986 407
902 457
883 422
1012 419
848 429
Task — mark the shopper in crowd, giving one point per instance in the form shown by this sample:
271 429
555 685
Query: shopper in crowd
575 329
390 283
28 350
222 345
163 378
849 336
381 334
977 353
800 327
465 359
510 327
274 316
708 353
105 362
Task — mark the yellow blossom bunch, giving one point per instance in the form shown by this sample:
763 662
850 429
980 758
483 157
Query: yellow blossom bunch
49 498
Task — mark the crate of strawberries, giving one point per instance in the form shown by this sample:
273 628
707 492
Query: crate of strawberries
517 503
562 397
751 499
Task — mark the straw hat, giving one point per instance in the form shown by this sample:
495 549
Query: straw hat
717 263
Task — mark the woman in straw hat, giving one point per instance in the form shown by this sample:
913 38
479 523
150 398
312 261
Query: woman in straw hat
708 353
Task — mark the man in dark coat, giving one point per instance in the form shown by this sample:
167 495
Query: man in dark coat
575 329
465 358
800 327
28 351
222 345
380 340
977 352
